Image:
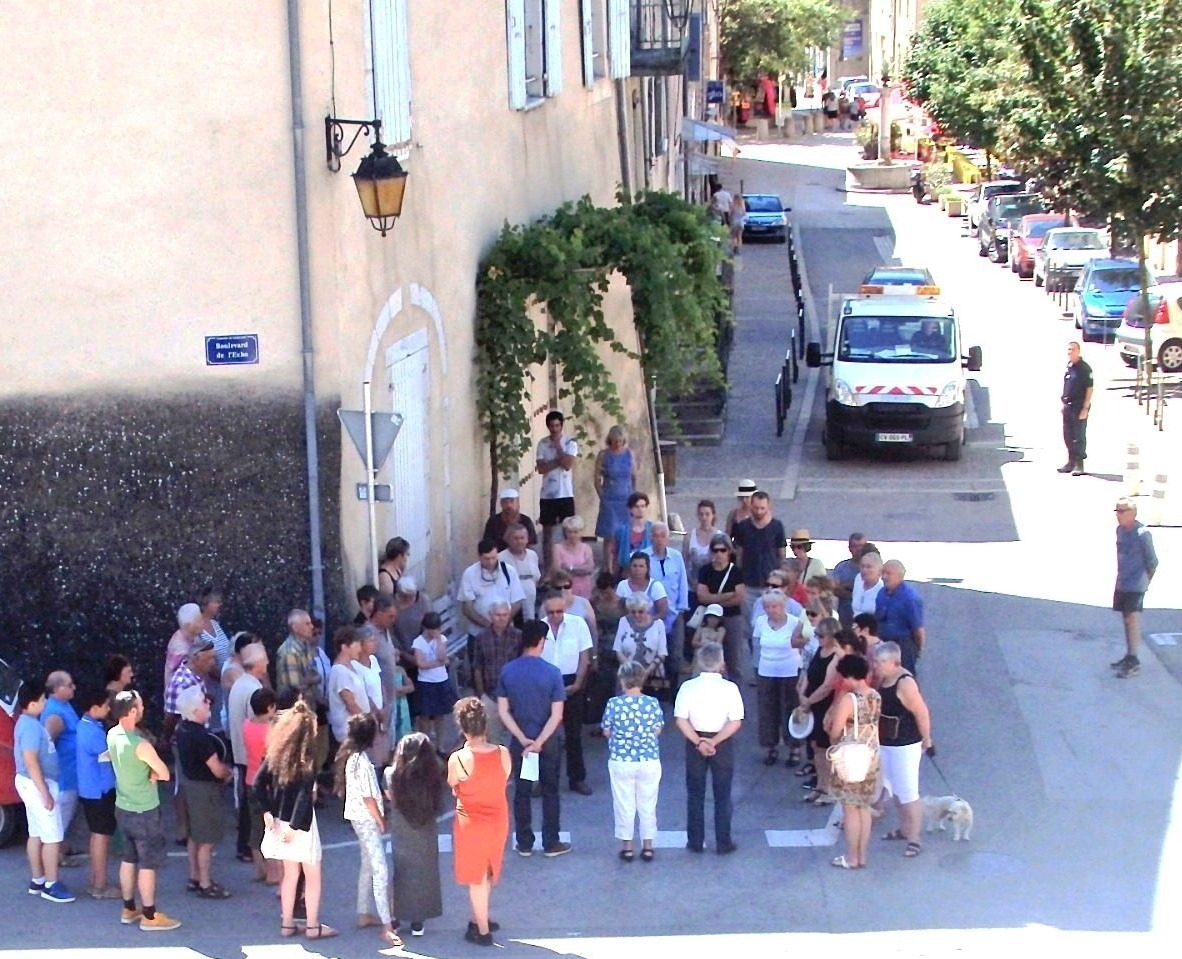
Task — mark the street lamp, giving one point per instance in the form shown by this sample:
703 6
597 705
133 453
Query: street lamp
380 179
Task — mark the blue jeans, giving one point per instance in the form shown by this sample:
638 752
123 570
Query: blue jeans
721 767
549 769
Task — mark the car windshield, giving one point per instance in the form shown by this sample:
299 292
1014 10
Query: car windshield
897 277
1013 209
897 339
764 204
1040 227
1120 280
1076 241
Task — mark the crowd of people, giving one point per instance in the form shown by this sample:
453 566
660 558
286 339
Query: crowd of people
650 635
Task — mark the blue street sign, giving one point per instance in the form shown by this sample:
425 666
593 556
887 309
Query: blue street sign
714 92
236 349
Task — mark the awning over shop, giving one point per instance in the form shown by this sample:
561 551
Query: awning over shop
699 131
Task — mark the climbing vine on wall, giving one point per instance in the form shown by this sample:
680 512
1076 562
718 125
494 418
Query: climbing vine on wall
669 253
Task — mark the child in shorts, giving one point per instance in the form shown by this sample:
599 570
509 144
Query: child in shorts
96 785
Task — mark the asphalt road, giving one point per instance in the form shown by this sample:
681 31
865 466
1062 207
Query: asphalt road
1072 773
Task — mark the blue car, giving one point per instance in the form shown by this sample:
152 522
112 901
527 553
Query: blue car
766 217
1101 295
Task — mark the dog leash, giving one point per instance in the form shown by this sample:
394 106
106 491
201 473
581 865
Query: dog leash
936 766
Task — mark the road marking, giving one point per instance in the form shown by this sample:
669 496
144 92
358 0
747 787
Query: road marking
1165 639
806 838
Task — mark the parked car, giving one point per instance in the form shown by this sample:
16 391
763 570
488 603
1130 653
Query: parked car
11 810
1002 215
983 193
1027 240
844 84
1101 295
1165 309
1064 253
899 280
766 216
871 93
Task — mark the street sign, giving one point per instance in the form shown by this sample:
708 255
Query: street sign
385 431
234 349
714 91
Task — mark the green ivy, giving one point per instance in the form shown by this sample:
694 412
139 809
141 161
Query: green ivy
668 251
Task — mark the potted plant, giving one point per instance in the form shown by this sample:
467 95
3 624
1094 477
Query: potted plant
955 204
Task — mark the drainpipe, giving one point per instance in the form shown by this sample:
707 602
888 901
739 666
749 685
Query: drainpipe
622 136
311 444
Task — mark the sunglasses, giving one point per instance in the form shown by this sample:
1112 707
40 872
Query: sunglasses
804 546
774 585
812 615
1122 509
719 549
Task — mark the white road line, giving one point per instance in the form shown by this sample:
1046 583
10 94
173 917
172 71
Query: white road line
806 838
1165 639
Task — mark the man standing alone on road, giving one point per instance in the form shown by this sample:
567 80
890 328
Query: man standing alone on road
1136 562
1077 403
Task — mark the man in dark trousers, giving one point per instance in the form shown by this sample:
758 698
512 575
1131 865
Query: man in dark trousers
1077 403
530 697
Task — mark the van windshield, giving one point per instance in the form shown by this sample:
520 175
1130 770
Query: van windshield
897 339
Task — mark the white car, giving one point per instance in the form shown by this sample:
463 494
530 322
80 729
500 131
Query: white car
1165 331
982 194
1065 251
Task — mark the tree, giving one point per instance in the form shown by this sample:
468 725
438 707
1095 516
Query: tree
773 36
961 67
1098 119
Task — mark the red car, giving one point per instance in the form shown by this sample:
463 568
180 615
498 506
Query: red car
11 811
1032 228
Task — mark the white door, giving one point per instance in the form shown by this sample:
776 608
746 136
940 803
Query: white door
408 465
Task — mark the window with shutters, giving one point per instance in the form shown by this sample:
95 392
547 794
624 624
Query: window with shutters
619 38
533 34
389 80
594 16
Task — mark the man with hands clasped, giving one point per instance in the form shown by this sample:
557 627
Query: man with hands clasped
709 711
530 697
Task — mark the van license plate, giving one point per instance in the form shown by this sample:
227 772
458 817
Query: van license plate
894 437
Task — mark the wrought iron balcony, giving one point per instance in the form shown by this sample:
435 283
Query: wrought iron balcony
659 33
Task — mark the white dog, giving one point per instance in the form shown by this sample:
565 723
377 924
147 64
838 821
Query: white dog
938 811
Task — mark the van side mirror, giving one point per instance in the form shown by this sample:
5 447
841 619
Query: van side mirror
812 355
973 362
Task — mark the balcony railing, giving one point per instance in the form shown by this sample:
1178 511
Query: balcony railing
658 36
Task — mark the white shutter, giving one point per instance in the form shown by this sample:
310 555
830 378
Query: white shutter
620 38
515 45
553 58
391 68
585 7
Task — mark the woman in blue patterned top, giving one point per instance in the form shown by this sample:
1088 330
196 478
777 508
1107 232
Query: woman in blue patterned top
632 722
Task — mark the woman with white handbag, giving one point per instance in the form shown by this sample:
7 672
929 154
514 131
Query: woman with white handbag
852 724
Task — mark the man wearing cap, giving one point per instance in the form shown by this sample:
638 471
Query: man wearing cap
899 610
743 509
510 514
759 543
800 544
1136 562
844 574
555 460
709 712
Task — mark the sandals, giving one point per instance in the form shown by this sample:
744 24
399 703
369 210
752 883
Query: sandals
192 885
842 863
323 931
212 891
646 855
287 931
626 855
771 758
894 834
913 849
808 769
392 938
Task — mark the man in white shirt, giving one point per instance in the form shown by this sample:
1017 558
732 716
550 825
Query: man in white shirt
486 580
568 646
867 584
720 205
709 711
668 567
253 658
555 460
523 559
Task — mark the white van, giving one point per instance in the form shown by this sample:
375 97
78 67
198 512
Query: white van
896 374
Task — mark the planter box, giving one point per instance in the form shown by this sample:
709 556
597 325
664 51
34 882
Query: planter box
942 200
955 206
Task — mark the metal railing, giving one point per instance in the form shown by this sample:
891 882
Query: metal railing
1150 391
656 24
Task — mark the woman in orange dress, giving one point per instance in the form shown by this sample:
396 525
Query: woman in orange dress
478 773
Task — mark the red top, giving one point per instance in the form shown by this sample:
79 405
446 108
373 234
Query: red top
254 736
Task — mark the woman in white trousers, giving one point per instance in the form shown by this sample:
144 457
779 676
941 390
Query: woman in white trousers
632 722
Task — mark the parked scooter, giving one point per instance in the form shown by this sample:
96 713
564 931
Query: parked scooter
918 189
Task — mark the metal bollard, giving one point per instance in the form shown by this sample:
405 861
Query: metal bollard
1133 470
1157 500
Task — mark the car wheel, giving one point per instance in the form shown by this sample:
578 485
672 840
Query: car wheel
9 822
833 449
1169 357
981 251
1039 281
1129 360
993 253
1014 265
952 451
